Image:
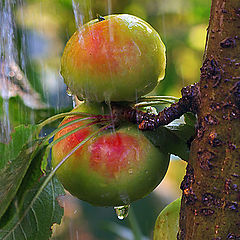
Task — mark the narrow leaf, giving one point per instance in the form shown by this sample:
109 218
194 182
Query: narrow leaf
18 158
34 208
168 141
174 138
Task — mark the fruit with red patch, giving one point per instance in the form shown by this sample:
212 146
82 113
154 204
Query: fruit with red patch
116 168
119 58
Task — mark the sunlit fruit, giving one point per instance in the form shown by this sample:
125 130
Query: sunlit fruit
167 223
117 167
115 58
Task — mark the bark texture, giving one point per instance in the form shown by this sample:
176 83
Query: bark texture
211 187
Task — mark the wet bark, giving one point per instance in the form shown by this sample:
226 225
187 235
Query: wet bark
210 207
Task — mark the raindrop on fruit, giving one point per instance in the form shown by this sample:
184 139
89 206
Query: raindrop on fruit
122 211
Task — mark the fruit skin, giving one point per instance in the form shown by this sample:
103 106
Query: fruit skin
167 223
118 59
113 169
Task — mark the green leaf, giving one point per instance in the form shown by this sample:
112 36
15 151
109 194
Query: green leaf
33 219
190 119
168 141
19 137
16 158
173 138
34 208
183 131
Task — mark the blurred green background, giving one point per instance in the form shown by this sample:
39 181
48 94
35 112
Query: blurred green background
46 25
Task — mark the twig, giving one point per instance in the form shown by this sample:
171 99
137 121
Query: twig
189 102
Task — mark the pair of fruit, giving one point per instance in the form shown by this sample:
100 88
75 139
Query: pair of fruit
117 58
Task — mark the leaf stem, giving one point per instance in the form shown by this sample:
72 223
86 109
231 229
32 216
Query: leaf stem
157 98
153 103
61 115
50 145
66 125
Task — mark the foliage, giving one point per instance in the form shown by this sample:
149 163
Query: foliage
14 164
174 138
28 201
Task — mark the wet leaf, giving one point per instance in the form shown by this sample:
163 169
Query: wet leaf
33 218
190 119
173 138
19 137
15 160
28 199
184 131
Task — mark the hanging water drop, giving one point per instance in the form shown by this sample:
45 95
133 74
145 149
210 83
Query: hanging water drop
122 211
69 92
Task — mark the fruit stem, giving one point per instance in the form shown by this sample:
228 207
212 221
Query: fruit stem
100 18
156 98
153 103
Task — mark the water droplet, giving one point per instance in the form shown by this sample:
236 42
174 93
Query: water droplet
69 93
122 211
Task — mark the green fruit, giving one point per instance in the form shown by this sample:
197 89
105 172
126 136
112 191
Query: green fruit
167 223
118 59
115 168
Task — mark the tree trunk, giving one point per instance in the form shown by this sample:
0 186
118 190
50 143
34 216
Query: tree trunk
211 186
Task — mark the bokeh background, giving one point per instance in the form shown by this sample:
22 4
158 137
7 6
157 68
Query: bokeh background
41 30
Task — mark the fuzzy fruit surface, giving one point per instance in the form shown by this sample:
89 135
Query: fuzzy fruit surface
116 168
167 223
118 59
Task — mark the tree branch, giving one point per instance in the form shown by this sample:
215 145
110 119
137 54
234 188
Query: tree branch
211 186
189 102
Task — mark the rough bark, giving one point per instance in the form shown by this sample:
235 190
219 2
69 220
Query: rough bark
211 186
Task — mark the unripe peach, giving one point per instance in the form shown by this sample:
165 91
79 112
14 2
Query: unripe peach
117 167
117 59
